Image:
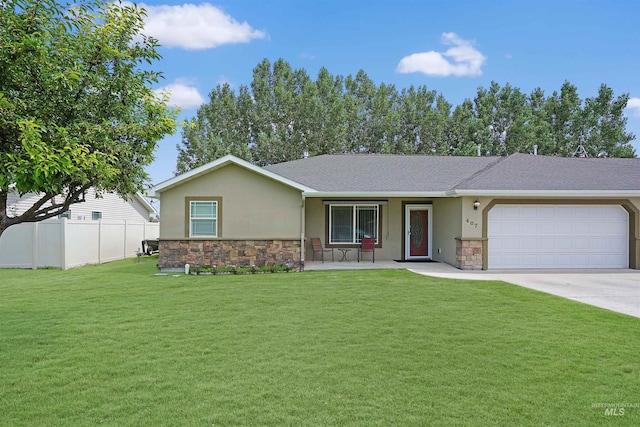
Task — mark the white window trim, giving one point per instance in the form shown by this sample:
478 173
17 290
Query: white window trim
93 214
214 218
354 206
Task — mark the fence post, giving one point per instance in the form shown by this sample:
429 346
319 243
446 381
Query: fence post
124 249
100 241
34 251
63 244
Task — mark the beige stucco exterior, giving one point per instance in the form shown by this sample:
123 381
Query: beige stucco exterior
252 207
447 226
259 211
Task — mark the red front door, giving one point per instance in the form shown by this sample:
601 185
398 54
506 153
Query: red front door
418 232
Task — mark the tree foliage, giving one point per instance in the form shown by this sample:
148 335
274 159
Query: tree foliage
285 113
76 106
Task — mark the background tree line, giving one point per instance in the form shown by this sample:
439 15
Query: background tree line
285 113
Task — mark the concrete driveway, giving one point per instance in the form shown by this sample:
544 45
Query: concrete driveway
616 290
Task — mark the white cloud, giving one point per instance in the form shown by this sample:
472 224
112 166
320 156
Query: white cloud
460 60
183 95
633 106
195 27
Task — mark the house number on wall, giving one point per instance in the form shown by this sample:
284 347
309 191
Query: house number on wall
473 224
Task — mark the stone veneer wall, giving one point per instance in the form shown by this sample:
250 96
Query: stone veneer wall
201 253
469 254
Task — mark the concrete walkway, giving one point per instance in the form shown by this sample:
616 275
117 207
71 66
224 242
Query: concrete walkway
616 290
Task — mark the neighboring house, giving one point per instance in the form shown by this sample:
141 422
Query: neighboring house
108 206
519 211
100 229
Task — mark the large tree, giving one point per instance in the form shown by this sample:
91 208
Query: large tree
76 105
284 113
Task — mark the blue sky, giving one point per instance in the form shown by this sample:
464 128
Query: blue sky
452 47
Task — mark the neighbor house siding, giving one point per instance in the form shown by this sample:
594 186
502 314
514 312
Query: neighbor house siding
112 206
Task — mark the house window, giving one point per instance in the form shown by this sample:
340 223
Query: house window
350 223
203 218
66 214
96 216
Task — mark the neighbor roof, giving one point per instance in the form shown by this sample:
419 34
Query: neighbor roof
381 172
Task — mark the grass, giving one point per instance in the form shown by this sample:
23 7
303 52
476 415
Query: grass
115 345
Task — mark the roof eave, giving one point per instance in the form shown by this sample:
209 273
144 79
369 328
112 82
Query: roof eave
545 193
148 206
370 194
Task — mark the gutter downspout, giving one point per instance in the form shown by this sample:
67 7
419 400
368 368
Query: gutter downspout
302 237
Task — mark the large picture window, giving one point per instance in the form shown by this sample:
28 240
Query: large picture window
349 223
203 218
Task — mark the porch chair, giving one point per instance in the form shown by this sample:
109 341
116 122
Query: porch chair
368 244
317 247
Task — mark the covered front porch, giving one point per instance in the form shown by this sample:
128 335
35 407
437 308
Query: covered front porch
410 229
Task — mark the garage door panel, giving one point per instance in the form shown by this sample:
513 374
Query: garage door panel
545 227
560 236
616 245
563 259
578 228
510 244
510 228
510 213
528 260
598 228
617 228
543 212
546 244
564 212
545 259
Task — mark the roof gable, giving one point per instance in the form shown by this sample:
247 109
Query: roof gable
220 163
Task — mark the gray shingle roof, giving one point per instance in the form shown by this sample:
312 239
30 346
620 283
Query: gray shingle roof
379 172
397 173
528 172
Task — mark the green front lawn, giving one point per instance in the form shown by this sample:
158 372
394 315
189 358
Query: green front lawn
115 345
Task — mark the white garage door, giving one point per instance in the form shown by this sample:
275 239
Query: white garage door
558 236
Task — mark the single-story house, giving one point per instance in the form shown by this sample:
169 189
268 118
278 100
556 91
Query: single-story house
518 211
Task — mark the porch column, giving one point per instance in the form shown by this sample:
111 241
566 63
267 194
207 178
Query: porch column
469 253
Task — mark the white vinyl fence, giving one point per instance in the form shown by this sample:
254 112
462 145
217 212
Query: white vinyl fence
67 243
